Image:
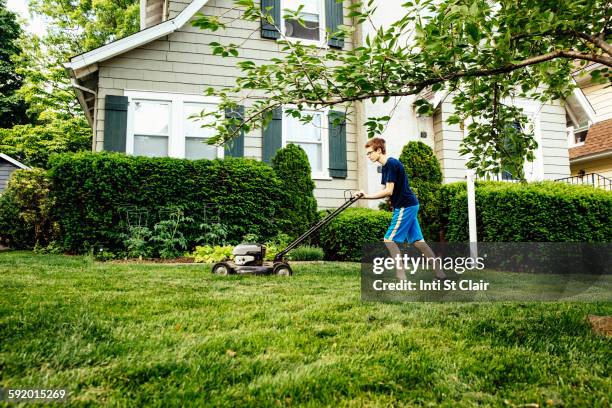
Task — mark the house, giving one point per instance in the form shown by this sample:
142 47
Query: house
7 166
137 92
590 142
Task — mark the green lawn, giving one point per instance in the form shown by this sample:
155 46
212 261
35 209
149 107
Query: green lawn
159 335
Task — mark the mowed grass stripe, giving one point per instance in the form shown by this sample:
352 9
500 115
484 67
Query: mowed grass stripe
160 335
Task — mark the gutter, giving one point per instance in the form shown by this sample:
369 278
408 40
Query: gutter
593 156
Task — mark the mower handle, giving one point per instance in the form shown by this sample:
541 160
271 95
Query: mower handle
318 225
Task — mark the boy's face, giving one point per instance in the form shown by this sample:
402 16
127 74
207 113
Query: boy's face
372 154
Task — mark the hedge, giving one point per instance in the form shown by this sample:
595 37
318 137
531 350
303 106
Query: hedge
535 212
95 192
344 237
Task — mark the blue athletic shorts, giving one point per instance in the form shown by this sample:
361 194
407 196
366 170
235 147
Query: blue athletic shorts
405 225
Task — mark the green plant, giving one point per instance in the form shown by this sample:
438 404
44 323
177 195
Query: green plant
212 254
344 237
213 234
306 253
300 208
425 176
137 242
167 237
91 189
250 239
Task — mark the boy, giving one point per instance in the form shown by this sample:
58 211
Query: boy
404 225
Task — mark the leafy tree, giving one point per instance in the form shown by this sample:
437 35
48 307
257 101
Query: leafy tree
12 106
57 122
482 52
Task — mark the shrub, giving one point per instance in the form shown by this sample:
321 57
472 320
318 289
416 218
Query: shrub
212 254
423 171
306 253
344 237
300 210
536 212
94 192
13 231
26 205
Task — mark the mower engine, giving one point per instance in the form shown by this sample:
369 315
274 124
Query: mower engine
249 254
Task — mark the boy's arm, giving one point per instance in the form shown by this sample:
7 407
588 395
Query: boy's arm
385 192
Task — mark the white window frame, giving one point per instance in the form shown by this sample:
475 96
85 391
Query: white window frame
324 173
322 43
176 133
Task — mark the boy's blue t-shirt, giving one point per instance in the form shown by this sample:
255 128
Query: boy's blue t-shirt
393 171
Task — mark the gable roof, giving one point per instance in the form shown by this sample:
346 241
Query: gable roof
14 162
598 140
135 40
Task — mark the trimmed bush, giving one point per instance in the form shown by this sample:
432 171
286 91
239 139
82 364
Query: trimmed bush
535 212
344 237
293 169
100 195
425 176
306 253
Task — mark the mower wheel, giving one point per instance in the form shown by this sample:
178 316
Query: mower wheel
223 269
282 269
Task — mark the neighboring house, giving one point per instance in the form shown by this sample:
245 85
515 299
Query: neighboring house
7 166
137 92
590 141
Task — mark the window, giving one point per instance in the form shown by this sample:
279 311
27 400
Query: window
311 16
312 137
195 135
159 126
580 135
151 128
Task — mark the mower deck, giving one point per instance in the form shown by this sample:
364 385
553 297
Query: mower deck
268 268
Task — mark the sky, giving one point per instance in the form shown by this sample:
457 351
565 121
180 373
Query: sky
36 25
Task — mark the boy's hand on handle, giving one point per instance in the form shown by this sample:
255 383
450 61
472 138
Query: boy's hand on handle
361 194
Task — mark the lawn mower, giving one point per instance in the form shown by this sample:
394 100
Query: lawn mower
249 258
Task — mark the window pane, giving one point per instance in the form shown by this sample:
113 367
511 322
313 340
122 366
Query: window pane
310 132
310 16
196 148
313 151
193 127
310 6
151 146
151 118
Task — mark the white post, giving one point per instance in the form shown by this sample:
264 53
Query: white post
471 196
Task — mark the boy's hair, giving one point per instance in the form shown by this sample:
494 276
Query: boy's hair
377 143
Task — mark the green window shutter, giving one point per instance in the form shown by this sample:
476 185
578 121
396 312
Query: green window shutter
115 123
235 147
334 14
337 145
272 136
269 30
